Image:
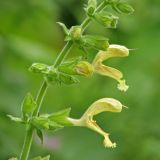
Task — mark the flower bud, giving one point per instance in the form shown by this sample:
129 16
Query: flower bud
84 68
106 19
92 4
100 68
102 105
75 32
39 68
123 7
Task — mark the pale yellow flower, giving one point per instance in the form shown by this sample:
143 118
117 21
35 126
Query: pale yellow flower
102 105
100 68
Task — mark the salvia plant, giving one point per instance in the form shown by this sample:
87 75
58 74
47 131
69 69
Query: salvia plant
66 72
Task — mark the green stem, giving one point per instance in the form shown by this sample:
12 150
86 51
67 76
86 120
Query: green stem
29 135
88 19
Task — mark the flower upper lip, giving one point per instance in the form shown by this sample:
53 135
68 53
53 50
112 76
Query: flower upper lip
100 68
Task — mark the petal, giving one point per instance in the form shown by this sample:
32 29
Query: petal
100 68
115 50
108 71
102 105
122 85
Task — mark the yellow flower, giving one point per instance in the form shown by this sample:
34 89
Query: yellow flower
102 105
100 68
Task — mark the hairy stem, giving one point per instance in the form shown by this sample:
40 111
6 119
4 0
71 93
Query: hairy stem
40 96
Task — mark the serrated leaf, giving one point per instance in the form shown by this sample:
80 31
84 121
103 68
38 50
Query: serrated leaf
28 105
15 119
61 117
40 135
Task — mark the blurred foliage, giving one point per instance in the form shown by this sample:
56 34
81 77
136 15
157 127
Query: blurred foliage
29 33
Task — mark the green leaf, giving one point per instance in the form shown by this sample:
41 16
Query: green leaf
41 158
39 134
106 19
61 117
123 7
39 68
15 119
29 50
28 105
65 29
96 42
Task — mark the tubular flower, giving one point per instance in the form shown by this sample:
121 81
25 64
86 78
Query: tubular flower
100 68
102 105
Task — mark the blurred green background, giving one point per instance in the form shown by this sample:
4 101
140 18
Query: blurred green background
29 33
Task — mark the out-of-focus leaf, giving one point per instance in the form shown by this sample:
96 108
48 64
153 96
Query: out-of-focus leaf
29 50
39 134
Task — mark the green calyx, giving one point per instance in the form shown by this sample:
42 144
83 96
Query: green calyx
123 7
96 42
82 68
56 77
38 68
75 32
106 19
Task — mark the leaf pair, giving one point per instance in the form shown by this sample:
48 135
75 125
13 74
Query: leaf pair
27 109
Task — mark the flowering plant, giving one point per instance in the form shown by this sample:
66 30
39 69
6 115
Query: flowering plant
66 72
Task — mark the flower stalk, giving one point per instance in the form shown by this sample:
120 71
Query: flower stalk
40 96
